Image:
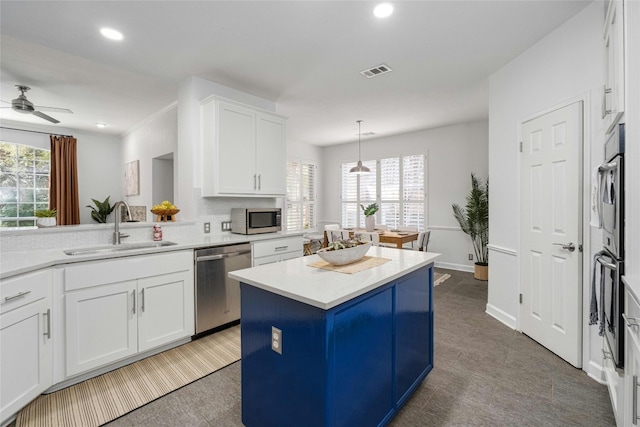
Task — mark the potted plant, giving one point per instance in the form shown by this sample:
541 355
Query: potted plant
474 221
46 217
369 219
102 210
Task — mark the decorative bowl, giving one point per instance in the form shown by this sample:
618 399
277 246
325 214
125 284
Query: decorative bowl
165 212
344 256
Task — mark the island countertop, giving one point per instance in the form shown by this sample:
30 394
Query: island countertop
325 289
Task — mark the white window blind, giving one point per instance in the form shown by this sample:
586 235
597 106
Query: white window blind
301 195
397 184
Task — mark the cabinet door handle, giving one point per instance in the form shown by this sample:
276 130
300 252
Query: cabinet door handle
18 295
48 332
133 293
254 181
605 91
142 300
281 248
634 418
259 181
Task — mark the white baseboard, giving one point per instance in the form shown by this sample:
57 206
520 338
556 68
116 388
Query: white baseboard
457 267
595 371
501 316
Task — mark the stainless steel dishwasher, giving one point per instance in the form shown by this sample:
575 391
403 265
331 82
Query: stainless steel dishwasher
218 296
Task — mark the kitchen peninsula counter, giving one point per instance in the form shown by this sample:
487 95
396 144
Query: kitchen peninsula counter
323 348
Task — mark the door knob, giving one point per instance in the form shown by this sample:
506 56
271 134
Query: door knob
568 246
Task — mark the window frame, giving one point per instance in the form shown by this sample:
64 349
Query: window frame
302 203
347 207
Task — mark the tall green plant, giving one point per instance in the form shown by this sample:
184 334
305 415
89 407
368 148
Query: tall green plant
474 218
102 210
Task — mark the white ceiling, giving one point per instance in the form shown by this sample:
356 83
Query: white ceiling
304 55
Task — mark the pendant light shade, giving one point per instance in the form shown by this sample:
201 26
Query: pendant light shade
359 168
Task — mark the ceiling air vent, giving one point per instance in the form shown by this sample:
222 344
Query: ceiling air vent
376 71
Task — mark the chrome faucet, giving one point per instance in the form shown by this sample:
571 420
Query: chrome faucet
117 235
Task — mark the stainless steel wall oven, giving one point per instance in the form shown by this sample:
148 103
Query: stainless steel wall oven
611 258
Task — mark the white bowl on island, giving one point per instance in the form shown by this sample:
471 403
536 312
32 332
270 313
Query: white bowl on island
344 256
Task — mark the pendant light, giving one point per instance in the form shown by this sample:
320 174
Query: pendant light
358 169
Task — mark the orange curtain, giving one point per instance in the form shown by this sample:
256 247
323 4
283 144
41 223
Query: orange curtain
63 179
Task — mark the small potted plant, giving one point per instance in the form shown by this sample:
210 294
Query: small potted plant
369 218
46 217
102 210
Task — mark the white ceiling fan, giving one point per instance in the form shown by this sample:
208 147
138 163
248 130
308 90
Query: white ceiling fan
22 105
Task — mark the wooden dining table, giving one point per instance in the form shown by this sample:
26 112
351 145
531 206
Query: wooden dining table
398 238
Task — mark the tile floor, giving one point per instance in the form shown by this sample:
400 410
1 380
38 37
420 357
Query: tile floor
485 374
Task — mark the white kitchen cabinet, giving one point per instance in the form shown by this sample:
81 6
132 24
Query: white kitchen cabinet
614 87
243 150
26 356
118 308
275 250
632 363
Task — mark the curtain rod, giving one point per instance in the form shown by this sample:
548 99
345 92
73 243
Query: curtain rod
36 131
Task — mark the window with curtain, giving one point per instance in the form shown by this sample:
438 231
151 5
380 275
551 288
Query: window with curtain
397 184
301 196
24 183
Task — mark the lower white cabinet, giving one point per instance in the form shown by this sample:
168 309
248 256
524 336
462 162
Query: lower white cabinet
632 363
118 308
276 250
25 340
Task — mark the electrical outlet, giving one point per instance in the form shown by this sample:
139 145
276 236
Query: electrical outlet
470 257
207 227
226 225
276 340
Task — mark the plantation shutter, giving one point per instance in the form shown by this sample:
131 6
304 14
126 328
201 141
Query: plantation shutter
390 192
301 195
294 209
349 196
413 191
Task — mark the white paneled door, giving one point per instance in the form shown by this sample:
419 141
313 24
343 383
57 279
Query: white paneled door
551 230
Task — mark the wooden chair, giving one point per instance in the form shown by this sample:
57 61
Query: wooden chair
333 235
423 240
373 237
327 229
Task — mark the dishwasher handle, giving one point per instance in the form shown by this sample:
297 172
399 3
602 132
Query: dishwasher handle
221 256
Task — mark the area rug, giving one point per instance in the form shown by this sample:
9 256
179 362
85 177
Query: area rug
439 278
104 398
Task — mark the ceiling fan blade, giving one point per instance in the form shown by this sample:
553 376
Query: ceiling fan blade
52 109
44 116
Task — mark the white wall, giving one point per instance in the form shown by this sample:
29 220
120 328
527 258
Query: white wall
155 137
188 161
564 66
100 170
453 152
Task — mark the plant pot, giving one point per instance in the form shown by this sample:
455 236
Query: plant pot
481 272
369 223
46 222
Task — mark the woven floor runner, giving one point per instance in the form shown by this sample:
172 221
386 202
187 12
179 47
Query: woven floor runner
104 398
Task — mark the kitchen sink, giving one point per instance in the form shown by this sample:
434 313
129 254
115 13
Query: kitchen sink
108 249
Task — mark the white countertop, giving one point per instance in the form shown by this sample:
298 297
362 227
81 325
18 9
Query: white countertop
14 263
325 289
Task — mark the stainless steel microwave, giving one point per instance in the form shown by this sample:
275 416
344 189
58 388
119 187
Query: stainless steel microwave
256 220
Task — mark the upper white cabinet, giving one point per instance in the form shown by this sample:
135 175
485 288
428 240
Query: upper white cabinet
613 90
243 150
26 357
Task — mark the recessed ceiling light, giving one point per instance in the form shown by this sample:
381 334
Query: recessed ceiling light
383 10
101 125
111 34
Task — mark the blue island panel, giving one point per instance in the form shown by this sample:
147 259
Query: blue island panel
352 365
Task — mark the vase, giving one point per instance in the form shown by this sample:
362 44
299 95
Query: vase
370 223
46 222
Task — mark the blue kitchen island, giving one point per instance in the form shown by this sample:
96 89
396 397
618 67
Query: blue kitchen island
323 348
